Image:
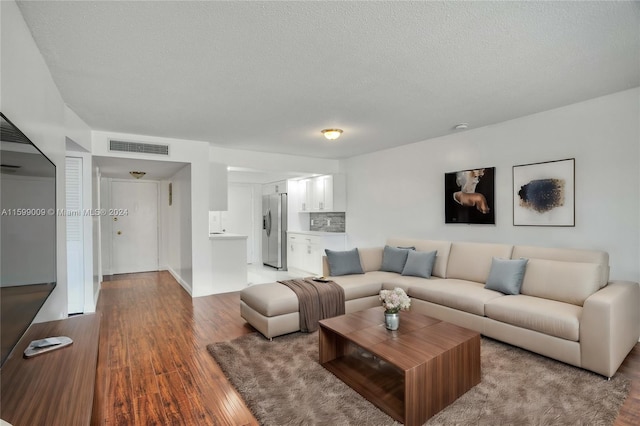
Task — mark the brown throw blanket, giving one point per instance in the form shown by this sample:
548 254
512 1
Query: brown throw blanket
317 300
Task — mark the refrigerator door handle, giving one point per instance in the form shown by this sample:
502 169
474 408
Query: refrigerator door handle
269 223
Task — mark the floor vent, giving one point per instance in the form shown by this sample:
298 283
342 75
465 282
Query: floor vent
142 148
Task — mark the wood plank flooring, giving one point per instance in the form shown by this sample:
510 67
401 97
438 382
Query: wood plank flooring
154 369
153 365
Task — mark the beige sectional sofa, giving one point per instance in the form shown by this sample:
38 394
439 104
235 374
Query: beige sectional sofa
567 308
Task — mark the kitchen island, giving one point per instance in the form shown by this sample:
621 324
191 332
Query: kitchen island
229 263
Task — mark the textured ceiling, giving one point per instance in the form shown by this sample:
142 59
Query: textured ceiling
268 76
119 168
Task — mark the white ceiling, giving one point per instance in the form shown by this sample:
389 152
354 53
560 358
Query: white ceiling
119 168
268 76
244 175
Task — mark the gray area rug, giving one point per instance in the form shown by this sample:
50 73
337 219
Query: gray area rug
283 384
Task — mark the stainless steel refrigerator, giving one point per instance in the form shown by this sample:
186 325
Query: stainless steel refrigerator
274 230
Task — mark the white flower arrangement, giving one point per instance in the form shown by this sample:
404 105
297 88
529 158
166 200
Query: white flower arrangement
395 300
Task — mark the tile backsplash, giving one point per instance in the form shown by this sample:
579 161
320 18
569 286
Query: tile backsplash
327 222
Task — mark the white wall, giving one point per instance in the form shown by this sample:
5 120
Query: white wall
106 224
194 153
176 228
399 192
30 99
272 162
77 130
96 232
257 223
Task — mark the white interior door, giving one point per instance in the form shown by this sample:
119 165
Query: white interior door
238 219
134 231
75 236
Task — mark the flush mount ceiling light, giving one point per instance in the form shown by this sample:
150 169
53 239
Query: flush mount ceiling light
137 175
462 126
331 134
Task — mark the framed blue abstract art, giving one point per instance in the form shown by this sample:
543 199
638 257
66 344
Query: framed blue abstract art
544 193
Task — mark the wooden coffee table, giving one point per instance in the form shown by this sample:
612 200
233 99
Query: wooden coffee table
410 374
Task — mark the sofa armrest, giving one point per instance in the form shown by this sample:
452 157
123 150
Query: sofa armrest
325 267
610 326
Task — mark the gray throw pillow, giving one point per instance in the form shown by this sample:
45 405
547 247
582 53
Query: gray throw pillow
394 258
506 275
344 262
419 263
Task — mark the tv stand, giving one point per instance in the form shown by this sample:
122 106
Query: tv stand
56 387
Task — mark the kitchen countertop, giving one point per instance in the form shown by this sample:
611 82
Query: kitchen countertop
227 236
318 233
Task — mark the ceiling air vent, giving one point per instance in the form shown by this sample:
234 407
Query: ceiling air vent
142 148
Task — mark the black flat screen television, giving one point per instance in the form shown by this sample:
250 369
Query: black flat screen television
28 233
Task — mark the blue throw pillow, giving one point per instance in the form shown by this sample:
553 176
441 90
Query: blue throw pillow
344 262
394 258
506 275
419 263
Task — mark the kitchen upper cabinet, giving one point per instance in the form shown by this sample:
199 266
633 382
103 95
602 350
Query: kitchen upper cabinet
279 187
322 196
326 193
218 187
305 193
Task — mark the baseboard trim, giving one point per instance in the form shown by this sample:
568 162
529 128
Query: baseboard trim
182 282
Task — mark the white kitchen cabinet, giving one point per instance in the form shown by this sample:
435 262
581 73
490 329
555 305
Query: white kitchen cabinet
327 193
322 196
305 250
296 246
305 193
279 187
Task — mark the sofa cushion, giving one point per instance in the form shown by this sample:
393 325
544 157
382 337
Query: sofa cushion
357 286
270 299
570 282
441 247
467 296
394 259
567 255
419 263
344 262
370 258
506 275
550 317
472 261
405 281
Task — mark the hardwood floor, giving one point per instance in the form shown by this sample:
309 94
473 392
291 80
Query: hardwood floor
153 365
154 368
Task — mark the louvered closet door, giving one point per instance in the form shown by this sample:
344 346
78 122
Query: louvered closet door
75 254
